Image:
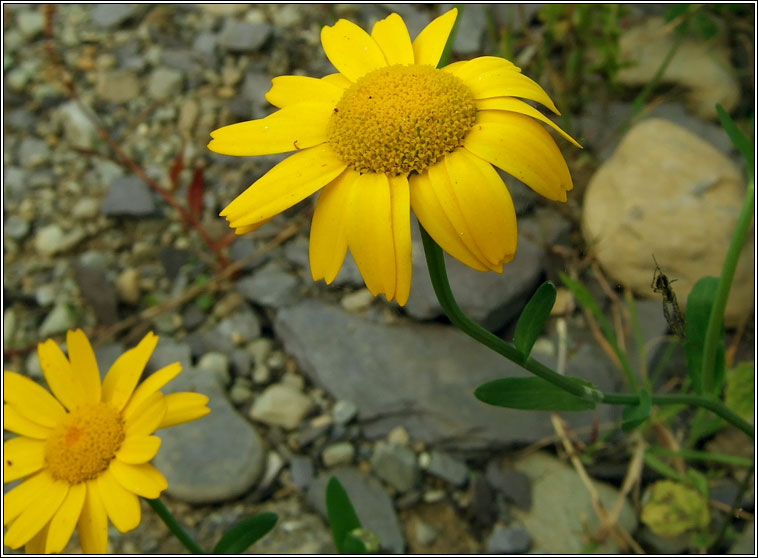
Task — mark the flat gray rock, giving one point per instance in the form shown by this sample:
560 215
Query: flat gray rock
270 285
421 376
371 503
241 36
110 16
128 196
226 454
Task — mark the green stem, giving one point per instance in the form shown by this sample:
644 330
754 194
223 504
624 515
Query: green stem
435 261
715 321
173 526
696 455
662 468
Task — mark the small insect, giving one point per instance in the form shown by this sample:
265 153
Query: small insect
671 310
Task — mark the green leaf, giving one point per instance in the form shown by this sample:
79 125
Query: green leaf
530 393
341 514
699 304
672 508
634 415
533 317
361 541
739 393
245 533
740 142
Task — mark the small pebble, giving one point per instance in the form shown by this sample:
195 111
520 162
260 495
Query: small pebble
340 453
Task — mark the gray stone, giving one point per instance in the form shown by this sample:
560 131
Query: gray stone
127 286
259 349
239 36
301 470
60 318
490 298
193 316
213 459
16 227
241 393
14 181
560 495
508 540
106 355
169 351
217 364
396 465
414 18
205 44
30 23
344 411
663 545
421 377
269 286
281 405
472 24
111 16
33 152
244 248
447 468
513 485
97 291
372 504
179 59
118 86
165 83
424 533
357 301
50 240
514 17
339 453
79 130
238 329
86 208
745 543
128 196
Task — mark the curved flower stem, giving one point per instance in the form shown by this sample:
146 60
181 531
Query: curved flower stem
715 321
436 263
173 526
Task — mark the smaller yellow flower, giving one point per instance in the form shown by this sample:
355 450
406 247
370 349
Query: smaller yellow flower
84 450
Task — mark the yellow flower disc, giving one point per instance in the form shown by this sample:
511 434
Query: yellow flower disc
85 443
399 119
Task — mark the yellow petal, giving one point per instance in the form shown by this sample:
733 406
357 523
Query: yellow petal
446 194
150 385
31 400
391 35
138 449
22 456
93 522
401 231
121 505
292 128
521 147
351 50
13 421
144 479
83 365
249 228
16 500
328 242
369 233
435 221
288 183
470 69
146 418
57 371
508 83
37 543
184 407
338 79
485 204
62 525
36 515
428 46
289 90
123 376
514 105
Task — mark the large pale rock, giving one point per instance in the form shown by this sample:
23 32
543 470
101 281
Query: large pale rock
667 193
702 67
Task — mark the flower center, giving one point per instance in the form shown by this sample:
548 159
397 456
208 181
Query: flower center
84 443
399 119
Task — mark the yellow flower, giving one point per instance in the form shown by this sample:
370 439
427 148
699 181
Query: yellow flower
391 132
85 449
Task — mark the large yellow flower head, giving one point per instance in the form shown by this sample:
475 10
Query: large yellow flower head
85 449
391 132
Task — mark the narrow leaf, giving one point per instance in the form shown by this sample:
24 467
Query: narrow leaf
245 533
533 317
530 393
176 168
634 415
743 145
699 304
195 193
341 514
